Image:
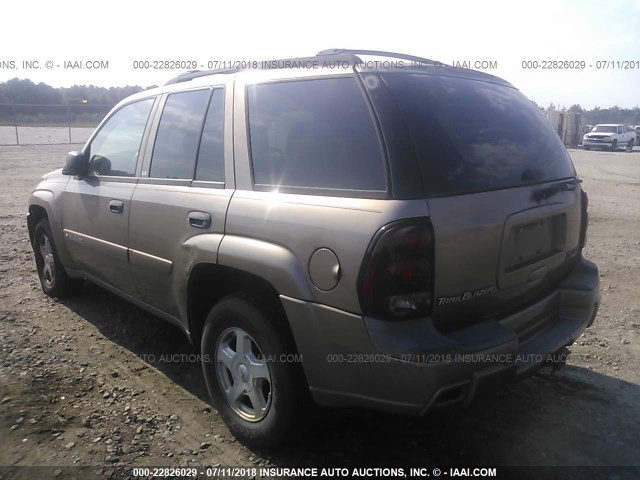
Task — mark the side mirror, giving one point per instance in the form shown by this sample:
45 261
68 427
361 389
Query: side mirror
76 164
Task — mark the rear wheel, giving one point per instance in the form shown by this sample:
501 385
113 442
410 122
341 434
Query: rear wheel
54 280
250 370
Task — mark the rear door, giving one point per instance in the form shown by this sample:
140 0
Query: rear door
184 191
501 190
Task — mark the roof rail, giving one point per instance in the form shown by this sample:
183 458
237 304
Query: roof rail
377 53
191 74
264 65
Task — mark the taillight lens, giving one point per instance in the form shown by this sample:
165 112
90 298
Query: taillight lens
396 278
584 218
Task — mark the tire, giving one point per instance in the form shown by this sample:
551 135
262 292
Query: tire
262 411
614 145
630 145
587 148
53 279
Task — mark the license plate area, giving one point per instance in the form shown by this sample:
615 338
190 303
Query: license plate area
533 243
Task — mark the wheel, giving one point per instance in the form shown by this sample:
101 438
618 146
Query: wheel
54 280
630 145
247 359
587 148
614 145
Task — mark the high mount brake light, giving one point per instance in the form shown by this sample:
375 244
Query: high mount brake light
396 278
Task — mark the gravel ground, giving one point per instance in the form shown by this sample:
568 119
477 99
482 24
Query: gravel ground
93 381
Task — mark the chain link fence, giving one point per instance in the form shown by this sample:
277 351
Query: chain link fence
27 124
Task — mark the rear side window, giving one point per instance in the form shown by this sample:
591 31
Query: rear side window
472 136
211 154
178 137
314 133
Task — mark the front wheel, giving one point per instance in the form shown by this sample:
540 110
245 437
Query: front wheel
54 280
630 145
614 145
251 370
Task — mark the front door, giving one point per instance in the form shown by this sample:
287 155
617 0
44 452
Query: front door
96 207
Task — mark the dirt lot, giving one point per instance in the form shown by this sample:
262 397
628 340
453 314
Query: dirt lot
90 381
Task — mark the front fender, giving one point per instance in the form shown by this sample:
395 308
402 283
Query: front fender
51 203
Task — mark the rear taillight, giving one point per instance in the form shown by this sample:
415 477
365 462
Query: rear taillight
584 218
396 278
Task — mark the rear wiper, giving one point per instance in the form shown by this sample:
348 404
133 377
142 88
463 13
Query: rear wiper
546 192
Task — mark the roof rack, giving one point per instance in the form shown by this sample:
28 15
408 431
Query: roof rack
377 53
191 74
348 57
338 54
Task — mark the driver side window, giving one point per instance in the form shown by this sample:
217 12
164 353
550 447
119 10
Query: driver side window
114 151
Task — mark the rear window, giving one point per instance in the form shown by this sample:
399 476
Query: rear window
472 136
314 134
605 128
176 147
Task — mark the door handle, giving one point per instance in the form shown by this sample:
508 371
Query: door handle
199 219
116 206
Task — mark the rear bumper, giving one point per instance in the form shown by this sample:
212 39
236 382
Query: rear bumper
410 367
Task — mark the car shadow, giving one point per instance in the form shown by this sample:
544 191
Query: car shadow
159 344
574 417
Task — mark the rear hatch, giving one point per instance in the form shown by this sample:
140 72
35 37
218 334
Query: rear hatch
501 190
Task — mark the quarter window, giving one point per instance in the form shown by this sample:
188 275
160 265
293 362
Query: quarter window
178 136
115 149
314 133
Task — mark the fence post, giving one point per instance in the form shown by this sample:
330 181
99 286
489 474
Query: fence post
15 122
69 119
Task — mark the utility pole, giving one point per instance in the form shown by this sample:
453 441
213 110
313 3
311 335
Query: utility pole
15 122
69 119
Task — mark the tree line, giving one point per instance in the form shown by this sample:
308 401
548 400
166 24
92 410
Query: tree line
615 114
22 91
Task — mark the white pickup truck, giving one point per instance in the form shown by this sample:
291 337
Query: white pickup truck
610 136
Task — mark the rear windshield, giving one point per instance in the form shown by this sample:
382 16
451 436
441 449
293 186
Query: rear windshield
605 129
472 136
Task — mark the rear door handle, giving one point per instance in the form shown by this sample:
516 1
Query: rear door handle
199 219
116 206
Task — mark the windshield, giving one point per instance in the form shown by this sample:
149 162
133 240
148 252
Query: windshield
605 128
472 136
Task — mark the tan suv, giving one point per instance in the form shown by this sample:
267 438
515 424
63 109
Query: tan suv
392 235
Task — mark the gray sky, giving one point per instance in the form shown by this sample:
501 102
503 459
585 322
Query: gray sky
509 33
